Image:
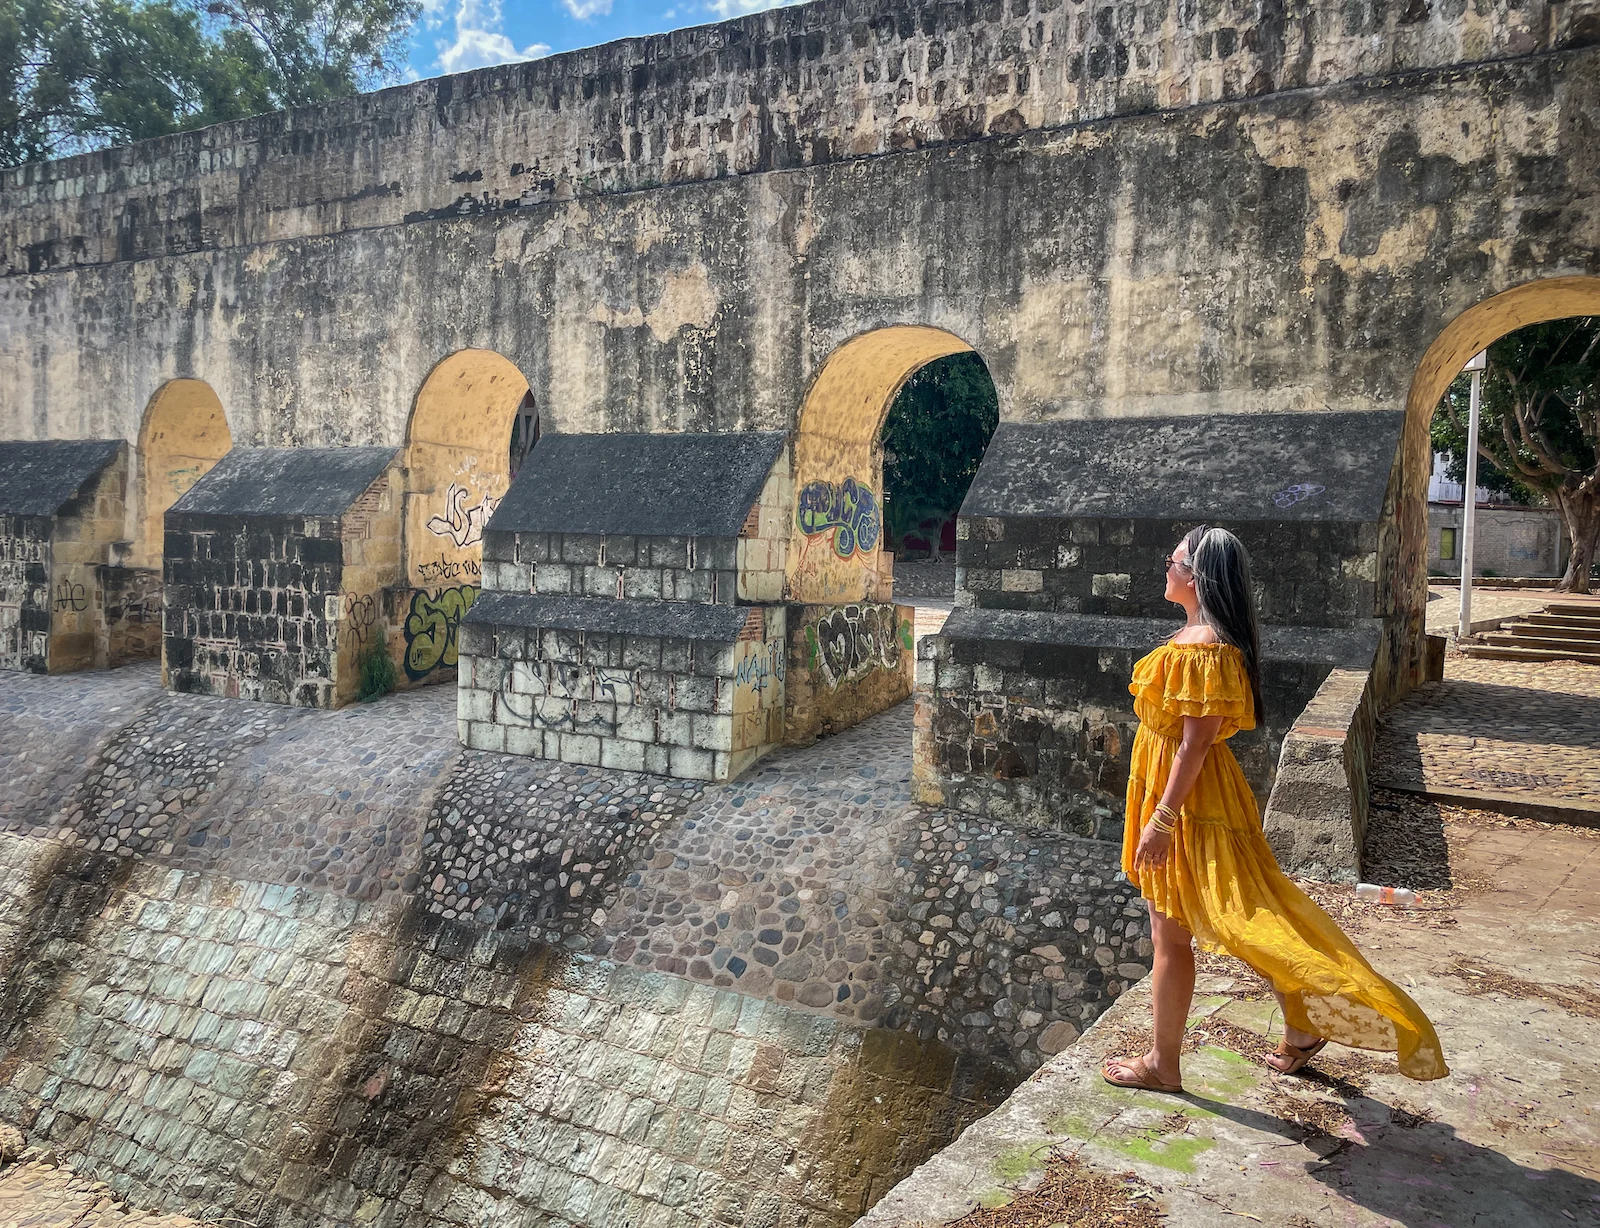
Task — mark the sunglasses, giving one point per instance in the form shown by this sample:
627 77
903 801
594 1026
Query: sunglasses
1172 558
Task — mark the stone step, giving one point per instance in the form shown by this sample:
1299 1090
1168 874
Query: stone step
1562 628
1495 652
1575 609
1553 643
1566 621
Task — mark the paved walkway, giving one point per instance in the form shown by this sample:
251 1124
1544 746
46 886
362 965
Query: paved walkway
1501 730
1505 965
1444 605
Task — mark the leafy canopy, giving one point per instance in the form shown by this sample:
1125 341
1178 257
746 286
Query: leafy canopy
1540 412
83 74
934 438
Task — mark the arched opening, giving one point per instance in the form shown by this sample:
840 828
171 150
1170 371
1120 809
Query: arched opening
473 424
1473 330
836 554
184 433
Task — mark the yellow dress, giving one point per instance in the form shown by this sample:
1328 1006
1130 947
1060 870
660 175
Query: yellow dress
1222 883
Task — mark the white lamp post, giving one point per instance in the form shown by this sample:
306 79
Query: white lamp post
1469 500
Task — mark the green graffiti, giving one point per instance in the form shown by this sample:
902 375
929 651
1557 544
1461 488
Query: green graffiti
907 636
430 628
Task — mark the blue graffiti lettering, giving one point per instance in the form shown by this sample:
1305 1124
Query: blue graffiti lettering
847 509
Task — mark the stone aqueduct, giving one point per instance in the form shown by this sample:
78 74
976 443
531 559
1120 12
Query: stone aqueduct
1215 256
1158 211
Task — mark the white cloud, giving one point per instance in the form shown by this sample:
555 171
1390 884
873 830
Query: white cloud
724 9
585 9
479 39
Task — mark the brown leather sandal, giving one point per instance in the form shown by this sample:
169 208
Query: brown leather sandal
1297 1056
1146 1081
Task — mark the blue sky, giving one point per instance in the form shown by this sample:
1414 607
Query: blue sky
455 35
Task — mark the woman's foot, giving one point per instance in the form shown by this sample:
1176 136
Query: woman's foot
1290 1058
1142 1073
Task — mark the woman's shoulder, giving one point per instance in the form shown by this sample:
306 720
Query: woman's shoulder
1202 635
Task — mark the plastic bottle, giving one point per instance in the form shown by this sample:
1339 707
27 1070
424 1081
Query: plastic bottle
1401 897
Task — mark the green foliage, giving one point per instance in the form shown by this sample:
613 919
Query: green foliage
1540 402
83 74
934 438
378 676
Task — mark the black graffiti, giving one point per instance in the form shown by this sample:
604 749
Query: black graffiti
550 694
856 638
439 570
360 612
71 597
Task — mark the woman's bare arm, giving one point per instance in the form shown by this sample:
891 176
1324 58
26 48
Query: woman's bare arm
1199 732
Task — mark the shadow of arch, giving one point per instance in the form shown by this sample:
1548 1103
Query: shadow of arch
838 459
184 433
472 411
1534 302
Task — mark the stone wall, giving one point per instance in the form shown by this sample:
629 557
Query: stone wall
277 607
832 81
693 707
1316 816
1507 541
133 604
846 663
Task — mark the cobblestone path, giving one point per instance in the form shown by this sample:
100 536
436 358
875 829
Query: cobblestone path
1525 729
1444 605
43 1196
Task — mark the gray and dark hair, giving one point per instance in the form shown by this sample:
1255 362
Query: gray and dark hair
1221 568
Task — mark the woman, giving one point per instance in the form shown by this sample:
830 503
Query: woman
1193 845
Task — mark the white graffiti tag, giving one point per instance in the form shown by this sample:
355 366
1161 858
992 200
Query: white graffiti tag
464 525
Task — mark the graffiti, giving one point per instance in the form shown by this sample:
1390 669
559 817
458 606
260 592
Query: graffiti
71 597
439 570
856 639
360 612
464 525
430 629
757 672
847 510
1290 495
547 696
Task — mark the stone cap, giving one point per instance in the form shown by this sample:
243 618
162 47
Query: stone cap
1342 647
671 485
38 477
1331 466
285 482
678 620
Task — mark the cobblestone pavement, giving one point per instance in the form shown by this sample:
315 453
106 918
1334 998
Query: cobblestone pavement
34 1195
1531 729
50 726
1444 605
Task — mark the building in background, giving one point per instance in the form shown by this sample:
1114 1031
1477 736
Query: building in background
1512 539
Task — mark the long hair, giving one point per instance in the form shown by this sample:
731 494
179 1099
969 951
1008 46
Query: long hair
1221 568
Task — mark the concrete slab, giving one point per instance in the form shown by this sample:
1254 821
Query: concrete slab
1504 963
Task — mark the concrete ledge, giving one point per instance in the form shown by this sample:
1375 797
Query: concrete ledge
1316 816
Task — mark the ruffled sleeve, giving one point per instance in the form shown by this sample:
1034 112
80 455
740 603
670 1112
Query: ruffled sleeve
1196 680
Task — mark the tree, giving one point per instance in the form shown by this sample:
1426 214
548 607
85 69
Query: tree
83 74
1540 428
934 438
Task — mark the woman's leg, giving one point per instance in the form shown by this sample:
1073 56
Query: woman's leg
1297 1038
1172 986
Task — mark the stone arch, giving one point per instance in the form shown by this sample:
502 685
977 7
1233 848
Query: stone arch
838 458
1533 302
184 433
458 459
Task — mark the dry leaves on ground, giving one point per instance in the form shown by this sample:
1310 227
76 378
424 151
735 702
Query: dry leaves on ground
1481 978
1072 1192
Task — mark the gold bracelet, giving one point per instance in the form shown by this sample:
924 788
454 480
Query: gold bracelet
1155 822
1163 808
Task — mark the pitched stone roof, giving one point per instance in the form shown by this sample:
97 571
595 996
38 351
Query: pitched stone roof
1228 467
285 481
676 485
39 476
